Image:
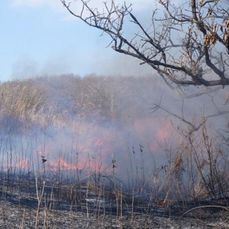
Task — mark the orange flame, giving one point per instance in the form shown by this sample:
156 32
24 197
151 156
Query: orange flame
23 164
61 164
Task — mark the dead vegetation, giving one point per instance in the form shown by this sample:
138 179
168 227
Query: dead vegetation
56 182
52 208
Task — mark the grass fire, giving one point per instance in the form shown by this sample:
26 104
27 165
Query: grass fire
110 152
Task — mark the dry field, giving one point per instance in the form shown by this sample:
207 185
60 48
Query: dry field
23 208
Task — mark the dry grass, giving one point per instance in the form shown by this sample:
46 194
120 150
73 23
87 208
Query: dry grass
170 195
47 206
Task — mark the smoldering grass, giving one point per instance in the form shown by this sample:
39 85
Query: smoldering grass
195 170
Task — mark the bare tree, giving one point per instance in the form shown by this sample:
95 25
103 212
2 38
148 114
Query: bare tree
187 45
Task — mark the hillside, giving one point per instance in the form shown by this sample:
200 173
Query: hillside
46 102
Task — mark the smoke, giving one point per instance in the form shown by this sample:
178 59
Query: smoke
115 64
82 124
28 67
94 57
24 68
101 62
100 125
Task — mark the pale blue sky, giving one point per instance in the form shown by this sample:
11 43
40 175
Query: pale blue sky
39 37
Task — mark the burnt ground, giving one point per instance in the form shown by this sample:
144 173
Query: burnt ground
25 205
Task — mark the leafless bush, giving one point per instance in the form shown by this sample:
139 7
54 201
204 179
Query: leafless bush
197 169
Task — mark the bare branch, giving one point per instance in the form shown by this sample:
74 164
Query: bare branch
187 46
192 127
